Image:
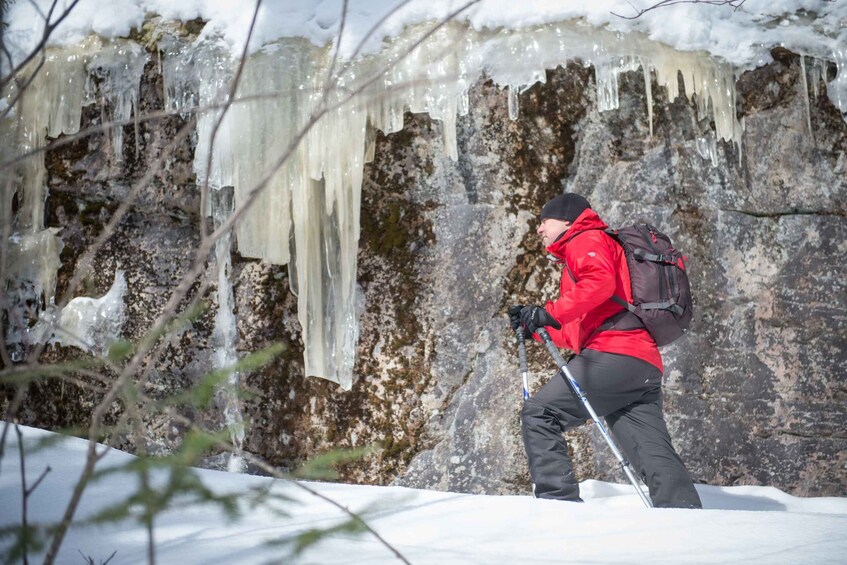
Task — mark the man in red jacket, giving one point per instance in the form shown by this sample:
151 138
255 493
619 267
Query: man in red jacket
618 366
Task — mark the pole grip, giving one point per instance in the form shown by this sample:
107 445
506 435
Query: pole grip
554 351
519 337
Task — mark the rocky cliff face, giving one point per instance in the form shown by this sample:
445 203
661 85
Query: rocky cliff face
754 395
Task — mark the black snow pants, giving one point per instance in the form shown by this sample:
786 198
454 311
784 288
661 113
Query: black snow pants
627 392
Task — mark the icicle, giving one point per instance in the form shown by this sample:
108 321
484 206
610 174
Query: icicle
32 112
707 147
64 78
179 75
804 85
214 71
449 132
370 144
817 72
648 94
837 88
464 104
52 105
606 77
514 102
225 332
119 66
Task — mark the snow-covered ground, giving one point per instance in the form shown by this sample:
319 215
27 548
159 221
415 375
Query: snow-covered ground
742 524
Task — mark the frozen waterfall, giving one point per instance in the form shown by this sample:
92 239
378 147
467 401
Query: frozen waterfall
308 214
295 142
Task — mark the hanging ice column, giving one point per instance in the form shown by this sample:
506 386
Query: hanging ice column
303 177
312 192
225 332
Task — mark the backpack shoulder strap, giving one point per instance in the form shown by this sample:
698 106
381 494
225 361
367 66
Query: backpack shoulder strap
573 235
625 319
609 231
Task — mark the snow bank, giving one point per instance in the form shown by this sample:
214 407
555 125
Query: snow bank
741 36
751 525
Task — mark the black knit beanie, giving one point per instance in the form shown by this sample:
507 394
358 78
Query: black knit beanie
565 207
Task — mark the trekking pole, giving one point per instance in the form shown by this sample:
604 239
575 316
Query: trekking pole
519 335
578 391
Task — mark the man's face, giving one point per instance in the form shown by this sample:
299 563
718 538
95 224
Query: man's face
550 228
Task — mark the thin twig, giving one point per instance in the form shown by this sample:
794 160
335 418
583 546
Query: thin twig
269 469
45 36
25 494
736 4
273 471
91 460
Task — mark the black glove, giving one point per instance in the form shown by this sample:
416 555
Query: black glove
515 316
534 317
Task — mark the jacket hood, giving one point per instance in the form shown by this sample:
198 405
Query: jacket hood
588 220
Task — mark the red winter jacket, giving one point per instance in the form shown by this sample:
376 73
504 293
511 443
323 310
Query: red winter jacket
599 267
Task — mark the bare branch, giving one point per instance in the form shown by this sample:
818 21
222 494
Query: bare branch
274 472
45 36
25 493
267 468
736 4
24 87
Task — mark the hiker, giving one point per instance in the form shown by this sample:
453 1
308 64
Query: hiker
619 370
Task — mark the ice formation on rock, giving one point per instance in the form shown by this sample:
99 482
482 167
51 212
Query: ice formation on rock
300 129
91 324
49 106
311 173
31 266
